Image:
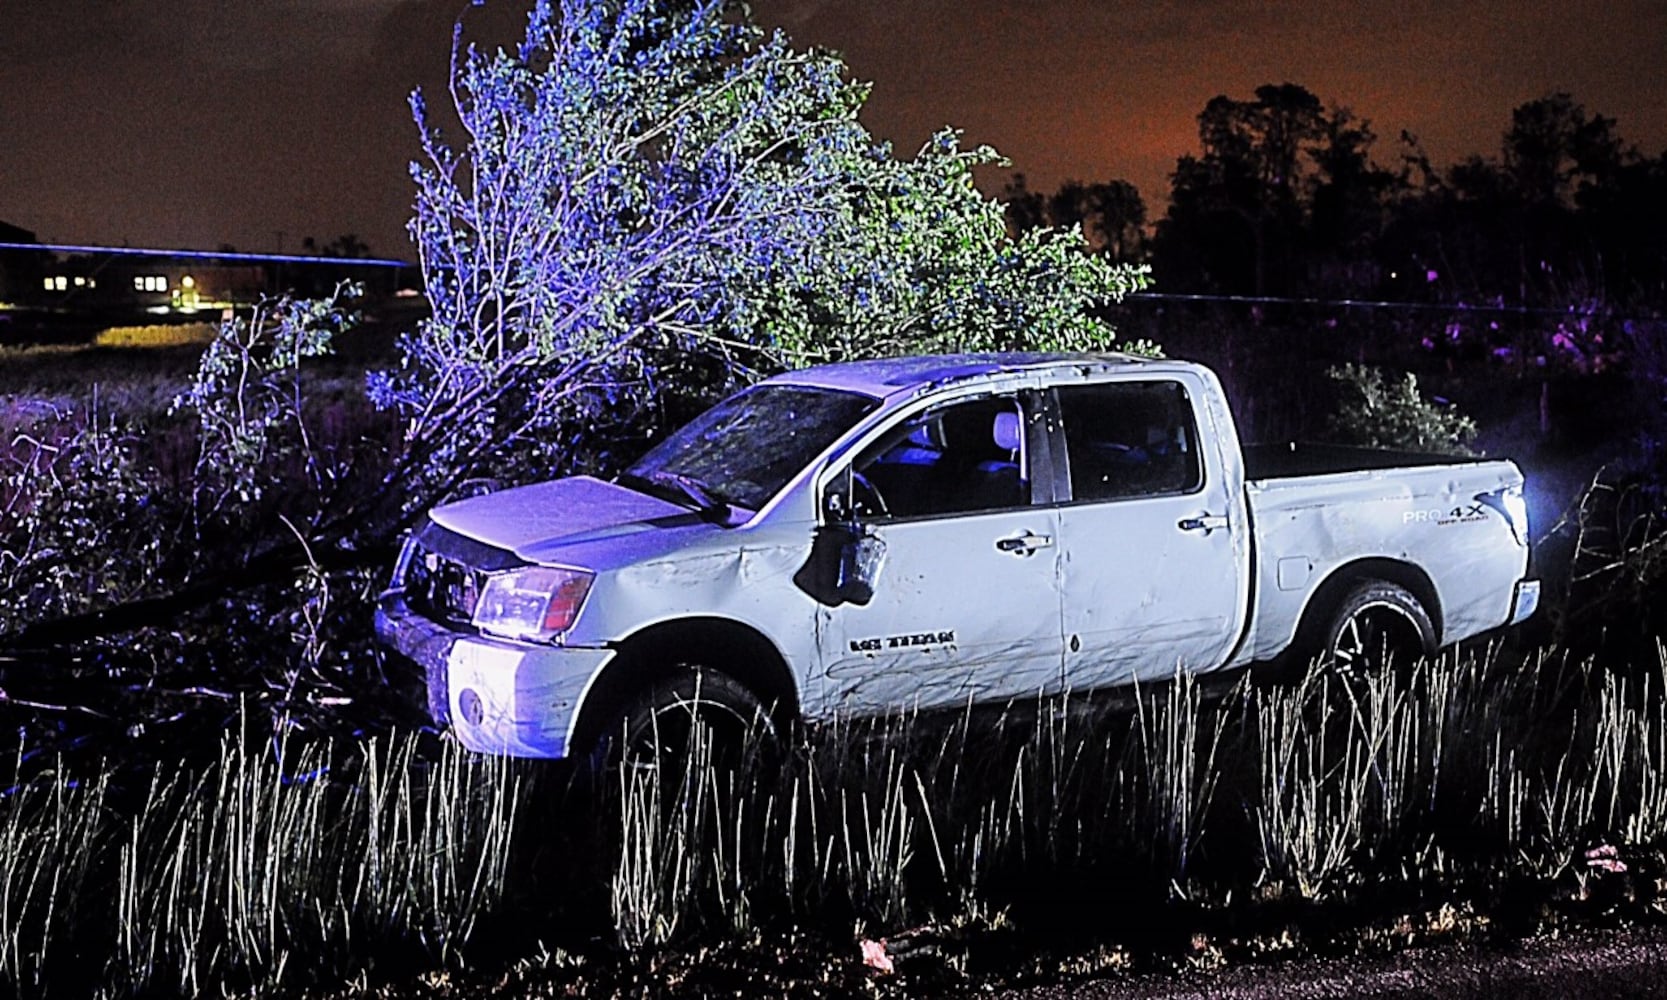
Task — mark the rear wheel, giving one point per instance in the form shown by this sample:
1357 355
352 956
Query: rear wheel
1377 624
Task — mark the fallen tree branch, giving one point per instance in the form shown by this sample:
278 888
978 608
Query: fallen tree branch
276 566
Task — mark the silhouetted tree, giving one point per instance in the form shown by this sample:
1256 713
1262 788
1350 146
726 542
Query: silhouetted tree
1348 207
1627 215
1117 217
1561 216
1111 213
1554 150
1026 209
1068 206
1244 193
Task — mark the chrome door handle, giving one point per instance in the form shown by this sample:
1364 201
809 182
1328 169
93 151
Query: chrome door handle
1025 544
1204 522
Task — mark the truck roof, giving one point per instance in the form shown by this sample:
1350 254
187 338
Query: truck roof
884 377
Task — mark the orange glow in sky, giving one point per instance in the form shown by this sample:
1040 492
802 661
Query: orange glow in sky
202 122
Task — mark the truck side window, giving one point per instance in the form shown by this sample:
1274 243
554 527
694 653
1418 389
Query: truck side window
953 459
1130 439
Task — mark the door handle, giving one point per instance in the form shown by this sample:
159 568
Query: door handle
1204 522
1025 544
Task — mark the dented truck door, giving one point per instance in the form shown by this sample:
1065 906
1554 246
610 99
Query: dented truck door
962 541
1154 543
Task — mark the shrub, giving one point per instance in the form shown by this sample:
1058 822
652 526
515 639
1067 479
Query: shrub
1378 412
80 527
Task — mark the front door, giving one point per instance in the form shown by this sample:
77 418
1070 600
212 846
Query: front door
966 601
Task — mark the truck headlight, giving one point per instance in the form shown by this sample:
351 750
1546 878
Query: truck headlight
533 602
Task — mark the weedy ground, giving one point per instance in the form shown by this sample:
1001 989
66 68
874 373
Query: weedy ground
240 816
1476 796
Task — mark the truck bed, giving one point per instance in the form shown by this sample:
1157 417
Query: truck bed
1297 458
1319 508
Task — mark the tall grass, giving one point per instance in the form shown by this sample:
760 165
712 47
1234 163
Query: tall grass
1319 791
157 335
51 836
283 863
274 864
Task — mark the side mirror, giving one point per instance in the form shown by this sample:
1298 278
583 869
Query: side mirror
860 557
845 559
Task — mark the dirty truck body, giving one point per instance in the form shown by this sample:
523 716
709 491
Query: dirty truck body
929 532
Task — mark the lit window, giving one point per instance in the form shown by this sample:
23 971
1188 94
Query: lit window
47 283
80 282
140 284
61 283
161 284
92 283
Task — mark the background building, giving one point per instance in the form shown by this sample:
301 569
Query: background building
53 292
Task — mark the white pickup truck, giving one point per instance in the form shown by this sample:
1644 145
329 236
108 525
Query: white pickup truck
933 531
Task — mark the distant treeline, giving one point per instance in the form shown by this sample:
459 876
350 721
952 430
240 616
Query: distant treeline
1289 199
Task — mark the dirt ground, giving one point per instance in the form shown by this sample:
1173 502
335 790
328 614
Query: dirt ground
1612 965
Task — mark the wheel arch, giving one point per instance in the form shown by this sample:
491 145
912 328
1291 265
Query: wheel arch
1329 595
656 651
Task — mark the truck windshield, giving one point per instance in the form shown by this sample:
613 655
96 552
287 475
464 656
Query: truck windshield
745 449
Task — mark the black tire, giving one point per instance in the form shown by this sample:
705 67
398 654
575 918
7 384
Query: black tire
1377 624
660 725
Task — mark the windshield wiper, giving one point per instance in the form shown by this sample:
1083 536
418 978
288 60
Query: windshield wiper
680 489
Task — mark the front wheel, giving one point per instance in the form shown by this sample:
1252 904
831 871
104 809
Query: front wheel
1377 623
695 714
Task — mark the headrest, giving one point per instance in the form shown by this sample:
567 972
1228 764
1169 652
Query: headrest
1006 430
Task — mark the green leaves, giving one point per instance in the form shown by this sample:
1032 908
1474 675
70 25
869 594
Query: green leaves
638 183
1380 413
919 260
248 390
81 518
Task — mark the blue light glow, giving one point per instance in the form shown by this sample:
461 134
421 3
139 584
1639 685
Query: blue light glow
282 258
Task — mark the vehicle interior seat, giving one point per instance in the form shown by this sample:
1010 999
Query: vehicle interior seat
999 483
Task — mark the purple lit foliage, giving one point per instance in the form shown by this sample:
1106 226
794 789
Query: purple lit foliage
623 172
647 187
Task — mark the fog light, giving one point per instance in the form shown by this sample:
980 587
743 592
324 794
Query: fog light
470 708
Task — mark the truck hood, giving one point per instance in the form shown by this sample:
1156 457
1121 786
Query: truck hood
533 521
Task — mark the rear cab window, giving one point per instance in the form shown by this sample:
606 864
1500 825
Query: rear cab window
1125 440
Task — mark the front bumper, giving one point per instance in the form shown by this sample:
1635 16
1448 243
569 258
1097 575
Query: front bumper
501 697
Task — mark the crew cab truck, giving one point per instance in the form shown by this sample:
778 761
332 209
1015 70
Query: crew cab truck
936 531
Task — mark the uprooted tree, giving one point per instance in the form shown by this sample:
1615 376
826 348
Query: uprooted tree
646 198
646 191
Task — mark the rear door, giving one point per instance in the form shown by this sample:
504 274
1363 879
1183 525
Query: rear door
965 606
1152 576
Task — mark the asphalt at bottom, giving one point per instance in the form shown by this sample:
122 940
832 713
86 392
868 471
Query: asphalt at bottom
1616 965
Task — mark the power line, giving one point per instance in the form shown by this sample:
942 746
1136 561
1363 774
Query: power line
1447 307
279 258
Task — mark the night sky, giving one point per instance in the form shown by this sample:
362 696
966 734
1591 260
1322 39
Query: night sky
196 123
